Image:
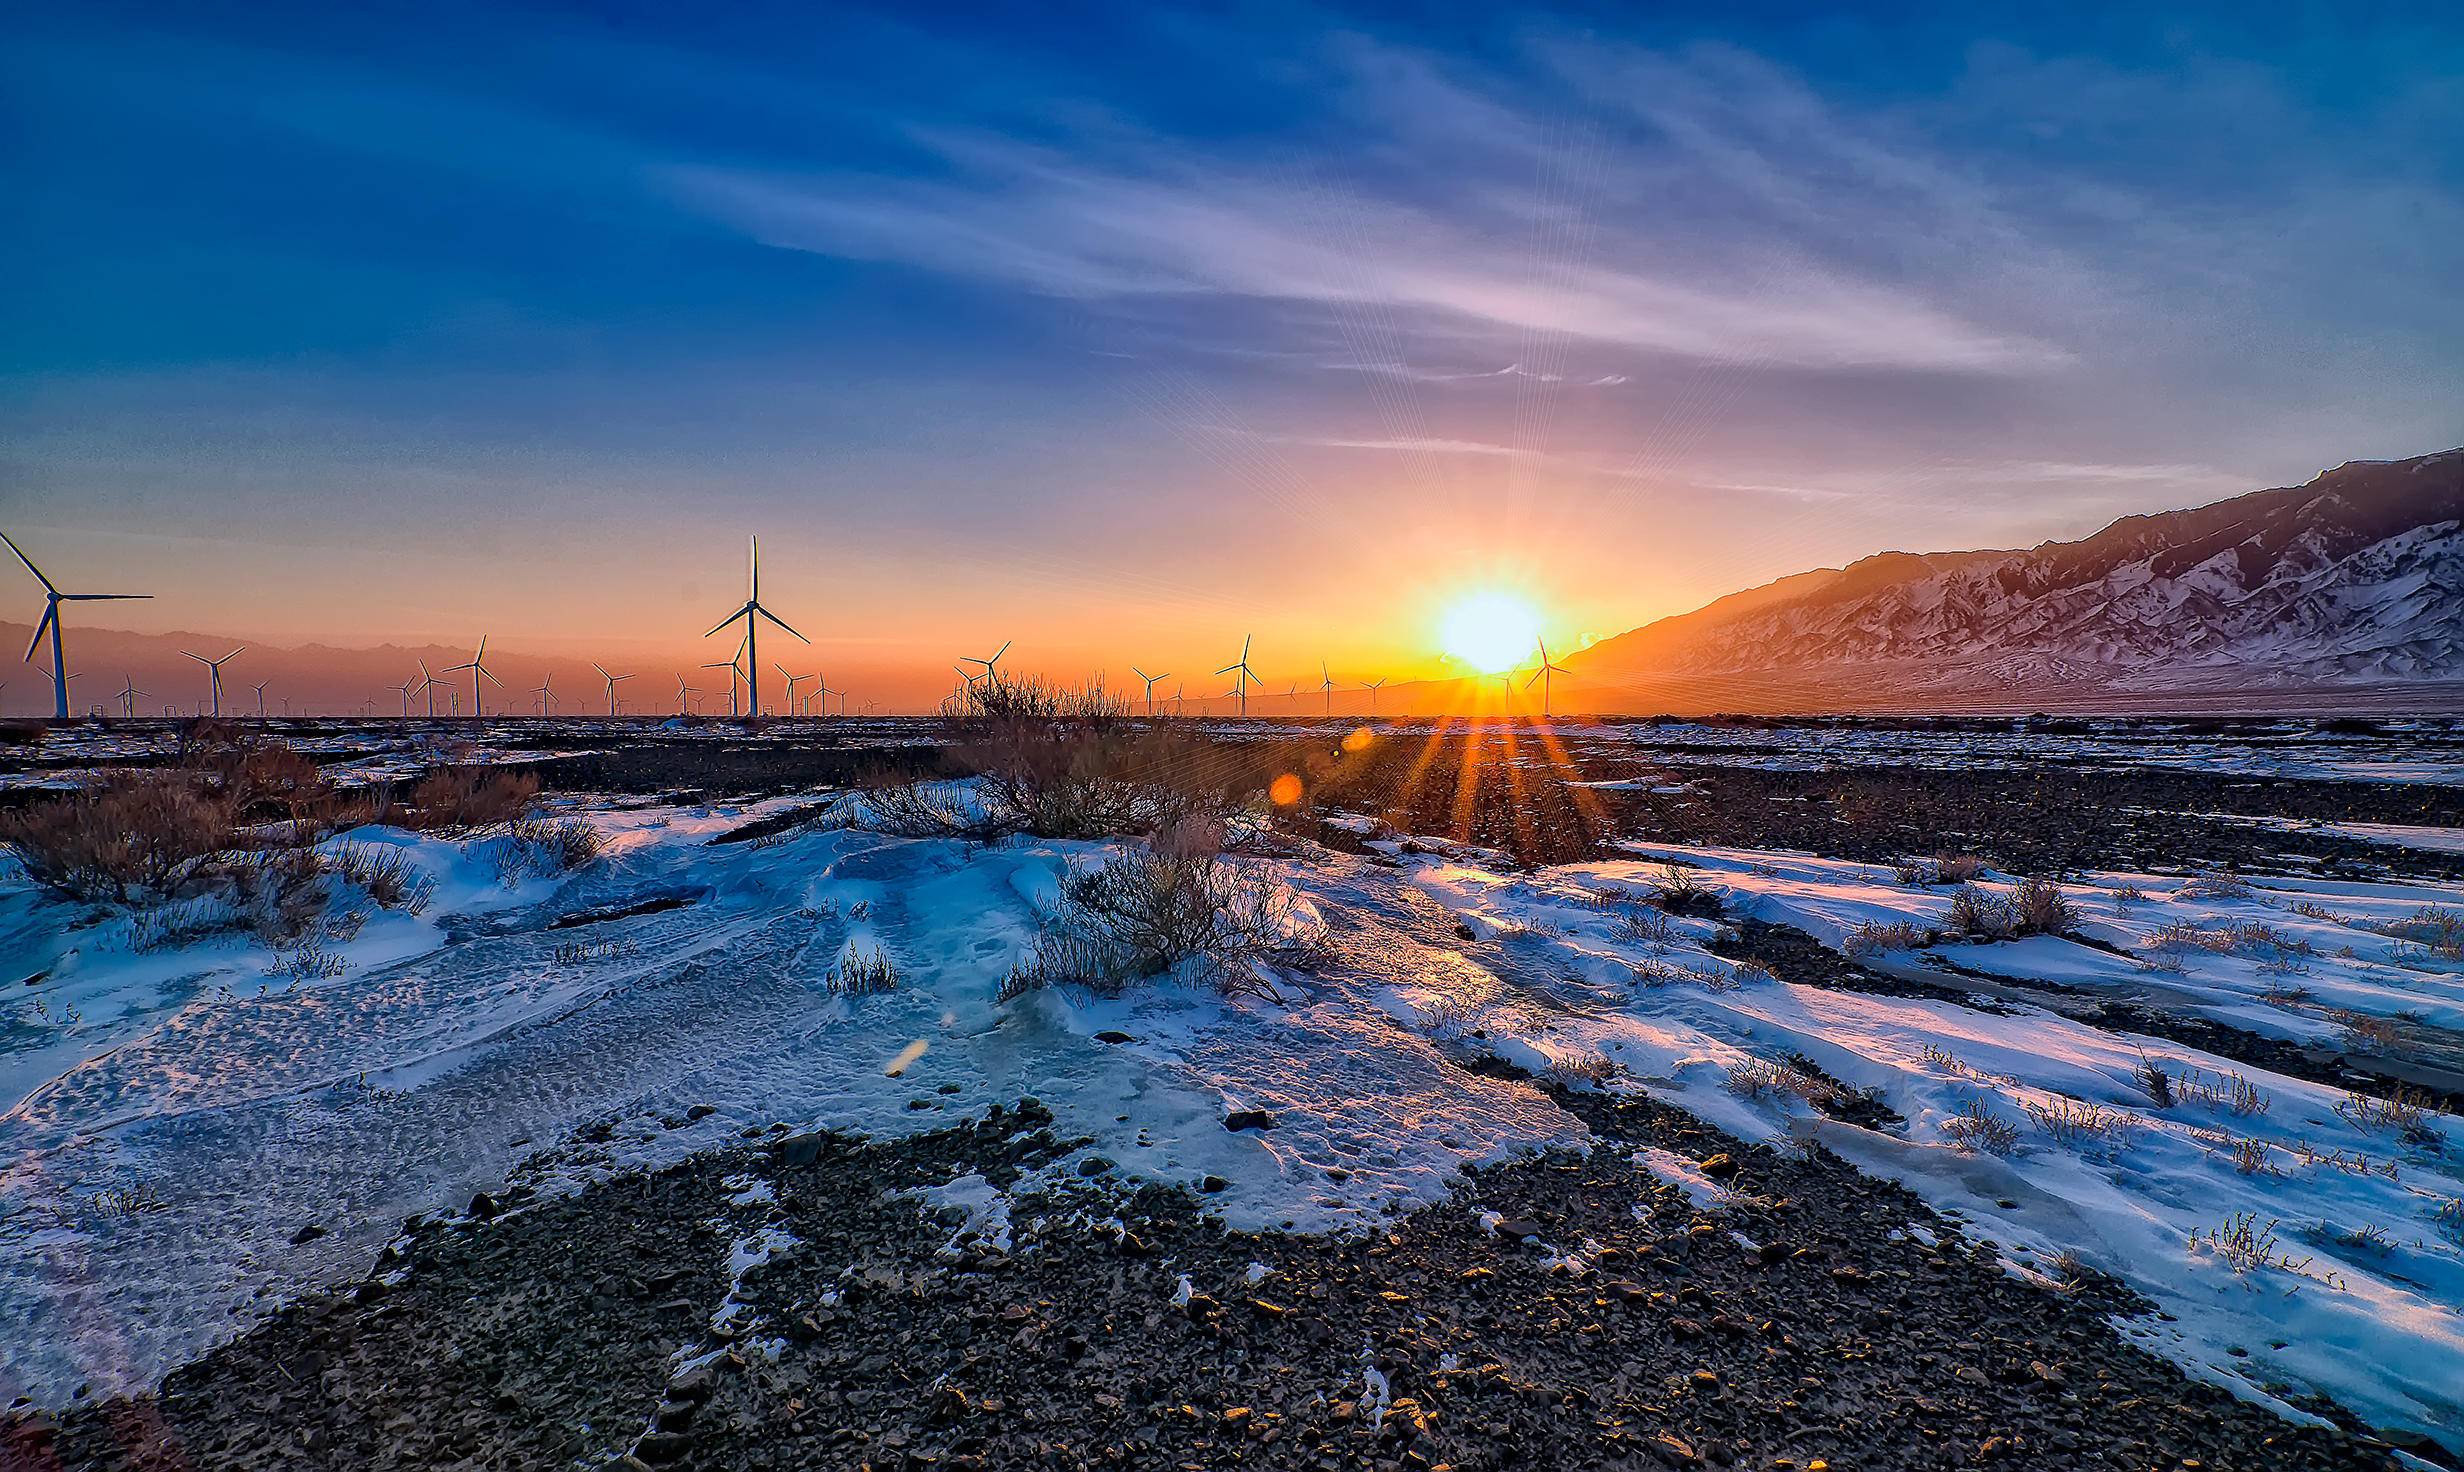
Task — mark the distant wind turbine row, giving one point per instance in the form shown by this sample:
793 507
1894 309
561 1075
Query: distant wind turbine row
743 669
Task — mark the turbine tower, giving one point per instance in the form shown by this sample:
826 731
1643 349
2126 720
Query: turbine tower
546 691
52 599
1243 680
1326 682
752 613
684 696
128 695
611 686
1541 678
479 669
259 687
1150 686
427 687
213 668
407 687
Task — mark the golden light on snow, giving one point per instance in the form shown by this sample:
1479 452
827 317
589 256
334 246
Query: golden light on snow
1489 631
906 1057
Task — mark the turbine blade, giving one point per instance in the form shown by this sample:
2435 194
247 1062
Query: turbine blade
1534 680
51 611
782 623
731 618
29 562
491 679
594 664
101 597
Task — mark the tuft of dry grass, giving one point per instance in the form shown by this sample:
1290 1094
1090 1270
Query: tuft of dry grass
863 973
1872 937
1178 900
1979 915
1976 1127
2084 1126
1581 1070
2042 908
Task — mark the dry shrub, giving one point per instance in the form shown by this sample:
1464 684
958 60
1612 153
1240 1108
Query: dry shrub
2448 1220
390 879
1581 1070
140 836
1872 937
863 973
1979 915
1649 927
2042 908
2086 1127
2437 929
2226 885
1680 893
1064 762
2152 1077
1976 1127
540 846
1957 868
466 798
1177 901
1758 1078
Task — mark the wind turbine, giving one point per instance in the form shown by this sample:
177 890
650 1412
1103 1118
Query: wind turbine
1326 682
1242 681
478 668
128 696
406 687
427 687
52 599
1541 678
988 664
684 696
752 613
1150 686
259 687
825 692
728 665
213 668
611 686
792 682
546 691
1374 686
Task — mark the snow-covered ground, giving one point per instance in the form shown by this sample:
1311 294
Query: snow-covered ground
174 1118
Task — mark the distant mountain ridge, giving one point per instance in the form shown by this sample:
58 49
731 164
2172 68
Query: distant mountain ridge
2353 579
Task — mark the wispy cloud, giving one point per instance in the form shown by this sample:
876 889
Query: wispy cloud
1518 241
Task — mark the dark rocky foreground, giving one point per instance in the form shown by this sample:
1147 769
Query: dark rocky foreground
563 1332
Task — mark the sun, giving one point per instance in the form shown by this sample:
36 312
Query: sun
1489 631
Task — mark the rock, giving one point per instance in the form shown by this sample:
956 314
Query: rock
1720 1167
701 1111
801 1150
1519 1229
307 1234
693 1385
1114 1035
1094 1165
660 1448
1248 1119
1213 1184
483 1206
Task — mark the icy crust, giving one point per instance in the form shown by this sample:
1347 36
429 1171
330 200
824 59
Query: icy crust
166 1146
169 1149
2361 1293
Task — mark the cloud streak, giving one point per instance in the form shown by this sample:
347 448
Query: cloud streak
1491 253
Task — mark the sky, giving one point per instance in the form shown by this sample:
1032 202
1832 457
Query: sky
1126 331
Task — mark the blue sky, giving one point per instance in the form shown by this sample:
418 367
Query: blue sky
348 322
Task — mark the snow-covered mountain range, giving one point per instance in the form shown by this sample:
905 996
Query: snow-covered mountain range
2355 579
